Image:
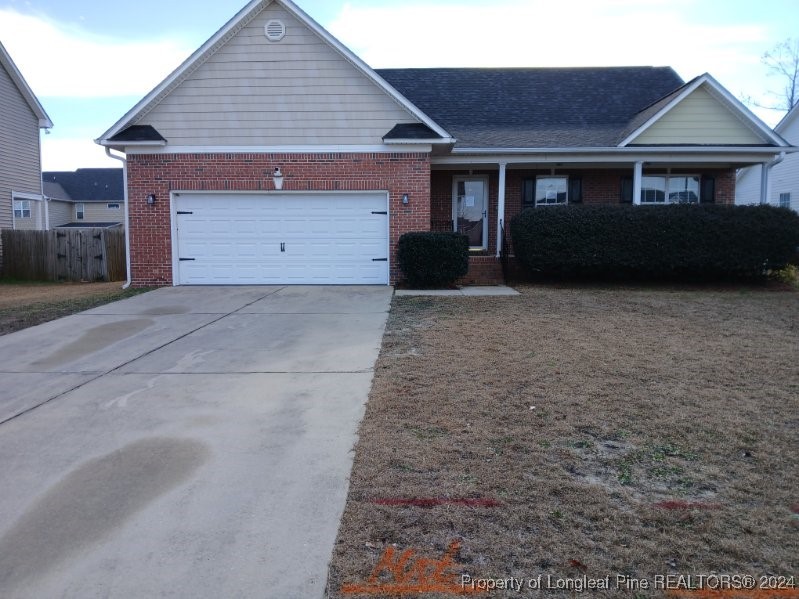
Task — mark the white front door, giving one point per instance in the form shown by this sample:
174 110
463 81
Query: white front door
286 238
470 209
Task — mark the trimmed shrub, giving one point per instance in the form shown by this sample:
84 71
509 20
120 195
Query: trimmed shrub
429 259
675 242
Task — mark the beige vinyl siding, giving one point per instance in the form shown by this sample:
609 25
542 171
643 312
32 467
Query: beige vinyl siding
298 91
36 221
699 119
61 213
784 176
97 212
19 147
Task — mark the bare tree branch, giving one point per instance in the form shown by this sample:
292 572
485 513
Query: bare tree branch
783 61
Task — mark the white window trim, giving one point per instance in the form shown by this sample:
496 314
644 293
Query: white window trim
535 191
22 209
666 177
80 211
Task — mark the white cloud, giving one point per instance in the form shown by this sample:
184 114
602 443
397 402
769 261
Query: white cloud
67 154
542 33
68 61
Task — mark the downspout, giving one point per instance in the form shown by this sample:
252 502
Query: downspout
765 173
127 211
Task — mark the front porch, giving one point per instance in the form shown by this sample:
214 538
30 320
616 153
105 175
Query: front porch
480 199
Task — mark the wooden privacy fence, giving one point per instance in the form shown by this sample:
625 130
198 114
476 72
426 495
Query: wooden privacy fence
64 255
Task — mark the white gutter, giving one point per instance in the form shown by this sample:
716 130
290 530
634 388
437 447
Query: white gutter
629 150
127 211
765 174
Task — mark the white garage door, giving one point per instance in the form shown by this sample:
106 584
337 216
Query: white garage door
262 239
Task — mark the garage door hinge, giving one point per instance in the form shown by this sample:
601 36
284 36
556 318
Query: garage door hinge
184 212
379 259
186 259
379 212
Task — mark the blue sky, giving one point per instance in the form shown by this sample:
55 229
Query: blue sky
89 61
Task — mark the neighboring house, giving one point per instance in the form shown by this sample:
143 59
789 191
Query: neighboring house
21 118
275 155
85 198
783 189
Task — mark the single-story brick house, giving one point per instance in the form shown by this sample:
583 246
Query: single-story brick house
275 155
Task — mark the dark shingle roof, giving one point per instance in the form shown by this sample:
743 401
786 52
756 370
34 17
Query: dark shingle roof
88 184
411 131
138 133
534 108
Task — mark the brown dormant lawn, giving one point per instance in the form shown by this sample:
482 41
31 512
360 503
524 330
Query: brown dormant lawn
24 304
579 433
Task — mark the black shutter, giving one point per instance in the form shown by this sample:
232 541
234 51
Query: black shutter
707 193
626 190
528 193
575 190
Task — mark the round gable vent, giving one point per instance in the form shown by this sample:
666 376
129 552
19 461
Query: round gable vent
274 30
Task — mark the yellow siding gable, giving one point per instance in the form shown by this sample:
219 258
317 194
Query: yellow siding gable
298 91
698 119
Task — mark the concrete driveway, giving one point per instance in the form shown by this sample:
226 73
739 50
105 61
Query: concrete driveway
188 442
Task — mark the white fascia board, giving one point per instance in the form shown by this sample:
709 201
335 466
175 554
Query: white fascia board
740 156
122 144
343 149
236 22
24 89
718 91
23 195
625 150
363 67
185 66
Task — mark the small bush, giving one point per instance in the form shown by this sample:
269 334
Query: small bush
429 259
679 242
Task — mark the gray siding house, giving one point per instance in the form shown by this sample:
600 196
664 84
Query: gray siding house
21 117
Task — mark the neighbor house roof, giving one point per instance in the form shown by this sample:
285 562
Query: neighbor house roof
54 191
87 184
24 89
534 107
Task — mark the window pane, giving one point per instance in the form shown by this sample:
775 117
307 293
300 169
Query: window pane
683 190
785 200
653 190
551 190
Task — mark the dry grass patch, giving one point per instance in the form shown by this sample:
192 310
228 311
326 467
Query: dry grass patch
623 431
25 304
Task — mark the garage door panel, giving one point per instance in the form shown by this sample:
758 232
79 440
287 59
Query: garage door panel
329 238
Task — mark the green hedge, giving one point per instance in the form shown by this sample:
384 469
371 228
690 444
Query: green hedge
430 259
676 242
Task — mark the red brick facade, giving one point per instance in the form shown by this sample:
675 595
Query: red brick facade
600 186
430 194
160 174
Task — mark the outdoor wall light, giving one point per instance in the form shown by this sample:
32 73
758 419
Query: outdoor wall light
405 199
278 178
151 199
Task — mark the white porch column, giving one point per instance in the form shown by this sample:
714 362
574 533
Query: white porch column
637 175
500 206
764 181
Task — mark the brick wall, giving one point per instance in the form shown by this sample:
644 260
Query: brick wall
600 186
150 226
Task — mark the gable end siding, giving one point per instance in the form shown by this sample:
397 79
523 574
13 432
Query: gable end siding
298 91
19 148
699 119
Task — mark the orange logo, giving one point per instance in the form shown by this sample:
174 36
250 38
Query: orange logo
405 573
